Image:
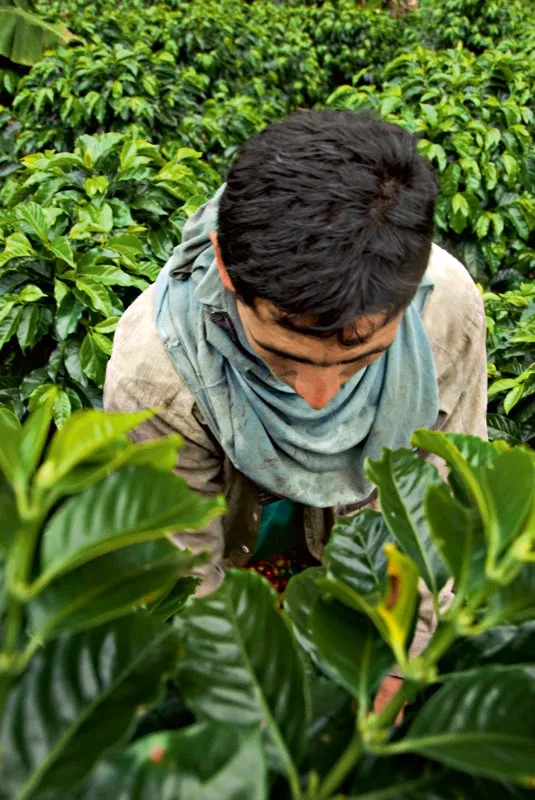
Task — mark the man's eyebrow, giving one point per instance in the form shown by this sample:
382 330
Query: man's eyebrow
302 360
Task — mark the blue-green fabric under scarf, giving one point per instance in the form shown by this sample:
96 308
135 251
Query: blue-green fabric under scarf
267 430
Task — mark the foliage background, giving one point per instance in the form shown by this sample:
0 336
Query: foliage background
170 91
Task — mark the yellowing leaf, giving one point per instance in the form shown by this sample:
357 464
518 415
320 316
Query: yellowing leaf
398 606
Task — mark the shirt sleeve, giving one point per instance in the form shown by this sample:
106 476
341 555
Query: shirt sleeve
140 375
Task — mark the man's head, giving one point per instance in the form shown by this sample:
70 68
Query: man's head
324 234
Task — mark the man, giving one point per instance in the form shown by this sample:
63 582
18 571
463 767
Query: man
305 322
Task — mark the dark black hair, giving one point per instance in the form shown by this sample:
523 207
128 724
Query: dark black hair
328 213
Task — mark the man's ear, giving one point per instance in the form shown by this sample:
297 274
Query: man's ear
223 274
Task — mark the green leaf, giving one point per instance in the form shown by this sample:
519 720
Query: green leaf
107 325
60 291
8 324
170 604
16 246
519 223
99 296
28 327
85 433
355 553
401 778
501 427
33 436
243 668
62 249
510 483
158 453
515 602
464 462
402 479
32 214
97 184
505 644
108 587
25 36
382 585
68 316
512 398
30 294
202 762
11 522
77 699
483 225
450 179
62 408
458 535
10 436
99 146
93 360
299 597
350 647
133 505
477 723
460 205
109 275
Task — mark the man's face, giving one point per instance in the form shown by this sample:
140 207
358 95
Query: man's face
315 368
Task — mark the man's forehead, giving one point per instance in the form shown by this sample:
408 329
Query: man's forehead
359 332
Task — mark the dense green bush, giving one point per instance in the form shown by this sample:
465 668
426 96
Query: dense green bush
478 24
475 123
511 354
260 701
83 233
97 87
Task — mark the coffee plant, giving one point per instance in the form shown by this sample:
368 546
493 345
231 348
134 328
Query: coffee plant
83 233
114 683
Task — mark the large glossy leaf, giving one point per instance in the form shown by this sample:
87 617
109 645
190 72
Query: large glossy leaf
108 587
465 455
34 434
367 573
79 697
458 534
402 479
24 36
203 762
516 602
477 722
299 597
10 435
173 602
510 484
11 522
399 778
412 778
84 433
504 644
133 505
332 724
350 647
355 553
158 453
241 665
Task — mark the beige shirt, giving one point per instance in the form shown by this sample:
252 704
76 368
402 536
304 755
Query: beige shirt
140 375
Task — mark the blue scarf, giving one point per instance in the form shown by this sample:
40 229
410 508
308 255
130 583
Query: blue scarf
267 430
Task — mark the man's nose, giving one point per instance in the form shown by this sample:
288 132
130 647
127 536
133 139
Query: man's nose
317 388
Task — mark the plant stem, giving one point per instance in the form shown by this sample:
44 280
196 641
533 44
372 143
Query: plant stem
342 768
442 640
